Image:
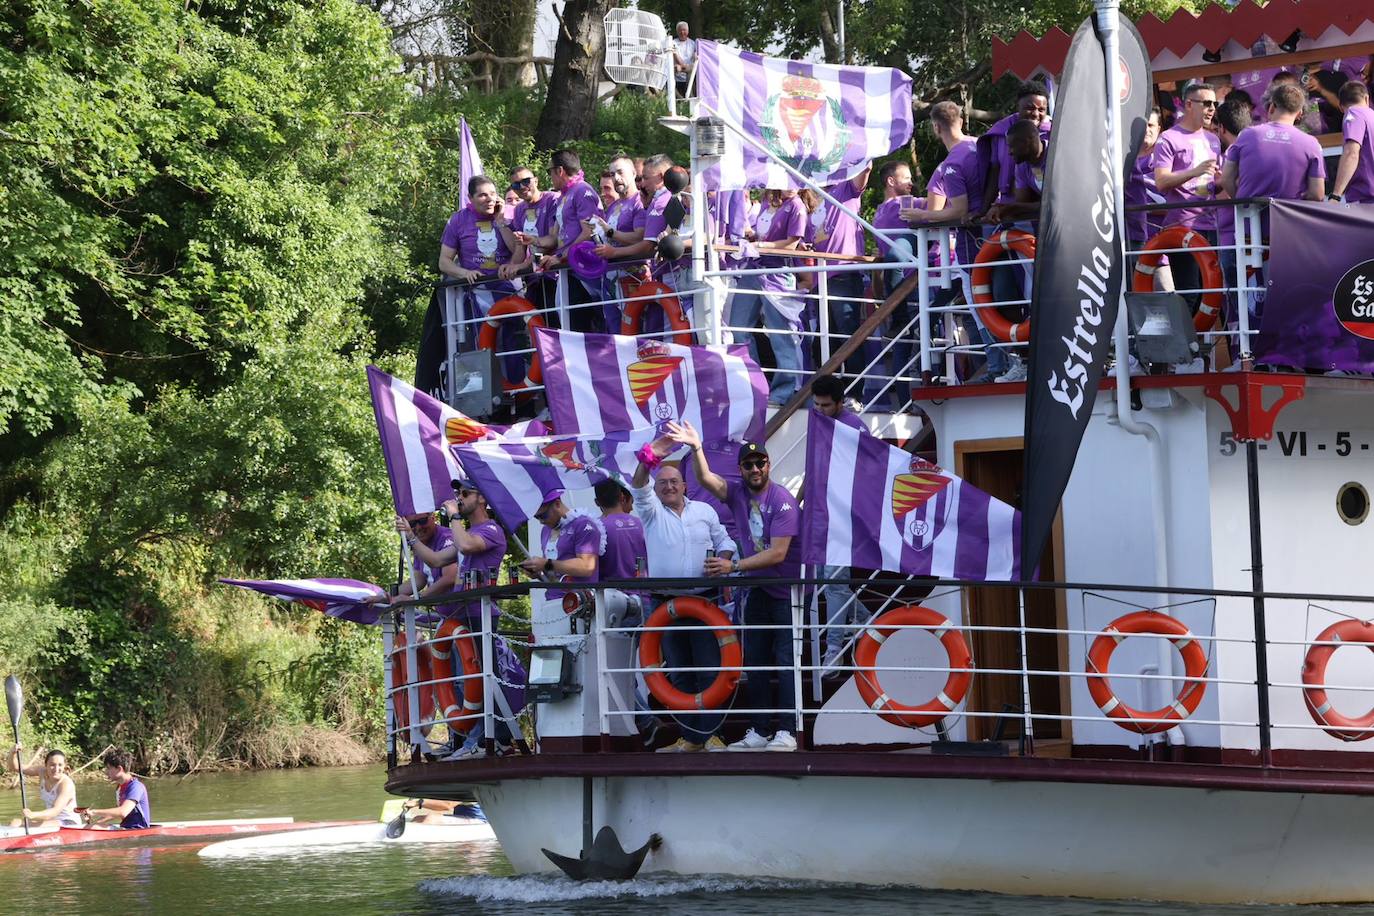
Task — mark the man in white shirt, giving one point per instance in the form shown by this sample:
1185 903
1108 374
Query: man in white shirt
677 534
684 58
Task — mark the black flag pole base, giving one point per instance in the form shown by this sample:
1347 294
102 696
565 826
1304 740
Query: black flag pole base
606 860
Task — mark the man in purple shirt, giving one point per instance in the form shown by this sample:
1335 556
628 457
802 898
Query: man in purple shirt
479 547
769 522
617 233
1276 159
478 245
896 182
131 795
995 164
1030 152
838 233
1186 162
780 224
625 550
435 571
572 541
535 213
1355 170
578 204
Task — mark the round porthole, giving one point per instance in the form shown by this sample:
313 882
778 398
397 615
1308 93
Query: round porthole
1352 503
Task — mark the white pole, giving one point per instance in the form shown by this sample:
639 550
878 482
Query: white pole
417 737
839 30
488 676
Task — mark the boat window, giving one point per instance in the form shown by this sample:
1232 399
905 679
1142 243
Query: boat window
1352 503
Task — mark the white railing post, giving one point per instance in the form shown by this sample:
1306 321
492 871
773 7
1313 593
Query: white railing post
603 695
796 660
1027 723
417 738
389 681
488 677
1248 257
823 313
562 278
923 300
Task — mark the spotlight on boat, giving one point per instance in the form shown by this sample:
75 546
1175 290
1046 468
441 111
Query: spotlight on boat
551 674
1162 327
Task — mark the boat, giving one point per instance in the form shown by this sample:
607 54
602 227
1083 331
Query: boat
1164 713
14 839
349 836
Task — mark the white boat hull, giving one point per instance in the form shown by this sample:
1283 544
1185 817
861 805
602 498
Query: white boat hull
1014 837
347 836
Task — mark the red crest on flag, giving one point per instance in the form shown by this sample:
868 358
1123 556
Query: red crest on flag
462 430
563 453
916 487
648 373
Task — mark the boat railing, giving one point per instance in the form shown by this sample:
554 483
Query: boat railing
1185 675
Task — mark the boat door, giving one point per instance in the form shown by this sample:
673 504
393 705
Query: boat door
995 466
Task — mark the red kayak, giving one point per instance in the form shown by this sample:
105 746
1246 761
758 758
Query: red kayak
15 840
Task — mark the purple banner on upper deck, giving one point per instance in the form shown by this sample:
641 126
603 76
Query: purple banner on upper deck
825 121
1078 267
1319 313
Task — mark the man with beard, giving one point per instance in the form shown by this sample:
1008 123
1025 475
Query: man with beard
478 244
624 230
577 205
1186 163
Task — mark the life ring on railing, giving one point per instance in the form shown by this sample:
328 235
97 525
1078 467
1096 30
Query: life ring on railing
1180 236
632 318
400 679
866 660
1346 728
999 243
459 637
690 607
1147 623
486 337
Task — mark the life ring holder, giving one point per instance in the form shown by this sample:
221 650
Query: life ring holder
690 607
1347 728
1004 241
651 291
956 684
454 636
1175 237
1147 623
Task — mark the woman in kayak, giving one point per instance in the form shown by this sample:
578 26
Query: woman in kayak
130 793
55 788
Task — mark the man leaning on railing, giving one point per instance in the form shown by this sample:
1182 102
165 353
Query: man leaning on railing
680 535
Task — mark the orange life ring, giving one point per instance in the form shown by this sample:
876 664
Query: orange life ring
632 318
486 337
690 607
866 660
1346 728
400 679
1147 623
1180 236
998 244
452 633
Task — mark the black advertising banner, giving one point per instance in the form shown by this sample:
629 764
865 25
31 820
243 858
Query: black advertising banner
1078 268
1319 313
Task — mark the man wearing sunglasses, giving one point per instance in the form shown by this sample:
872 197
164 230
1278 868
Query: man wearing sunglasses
769 522
435 571
1186 163
479 546
534 215
573 541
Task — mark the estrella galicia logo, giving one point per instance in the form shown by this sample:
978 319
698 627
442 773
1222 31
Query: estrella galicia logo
1353 300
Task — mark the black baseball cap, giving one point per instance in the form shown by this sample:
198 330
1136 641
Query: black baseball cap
752 448
462 483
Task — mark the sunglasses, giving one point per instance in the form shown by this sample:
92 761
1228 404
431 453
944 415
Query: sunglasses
521 182
421 521
754 464
1204 103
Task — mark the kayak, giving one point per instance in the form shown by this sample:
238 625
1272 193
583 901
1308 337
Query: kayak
13 839
324 839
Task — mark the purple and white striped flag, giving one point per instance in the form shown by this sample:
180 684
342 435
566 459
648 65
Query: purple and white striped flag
514 473
417 432
874 506
469 161
603 383
825 121
342 598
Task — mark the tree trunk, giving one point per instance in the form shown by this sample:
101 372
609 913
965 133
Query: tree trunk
698 18
505 28
830 40
577 60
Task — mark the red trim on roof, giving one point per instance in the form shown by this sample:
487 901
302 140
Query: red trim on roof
1182 31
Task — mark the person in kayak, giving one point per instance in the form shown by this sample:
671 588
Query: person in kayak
130 793
55 788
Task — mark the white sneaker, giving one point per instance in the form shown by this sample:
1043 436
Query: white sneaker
1133 366
1196 367
782 741
752 741
1016 372
465 752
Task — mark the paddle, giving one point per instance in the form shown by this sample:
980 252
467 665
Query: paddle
396 826
14 699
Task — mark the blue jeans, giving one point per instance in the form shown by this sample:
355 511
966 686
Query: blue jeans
746 306
693 649
768 647
841 607
843 290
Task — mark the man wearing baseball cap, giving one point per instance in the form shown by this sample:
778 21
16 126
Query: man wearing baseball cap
769 522
573 542
479 548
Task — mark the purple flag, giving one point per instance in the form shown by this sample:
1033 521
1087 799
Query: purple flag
513 474
1319 313
874 506
469 161
823 120
416 432
603 383
342 598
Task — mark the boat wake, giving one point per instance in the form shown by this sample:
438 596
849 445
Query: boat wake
556 888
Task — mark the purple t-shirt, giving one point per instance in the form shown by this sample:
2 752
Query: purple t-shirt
1031 175
1001 154
428 575
535 219
833 230
1358 125
578 536
777 224
761 517
728 213
622 213
1178 150
1275 160
624 545
1226 216
487 562
654 226
477 240
1140 189
141 816
957 176
577 202
1255 83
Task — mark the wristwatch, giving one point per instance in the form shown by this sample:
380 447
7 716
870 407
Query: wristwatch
734 564
1338 198
548 565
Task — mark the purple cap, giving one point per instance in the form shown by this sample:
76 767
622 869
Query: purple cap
585 263
549 495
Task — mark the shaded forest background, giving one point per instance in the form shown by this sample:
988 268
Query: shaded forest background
213 215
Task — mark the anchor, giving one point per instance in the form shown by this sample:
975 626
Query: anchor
602 859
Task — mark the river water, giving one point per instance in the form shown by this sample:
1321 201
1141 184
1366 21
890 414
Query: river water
415 879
